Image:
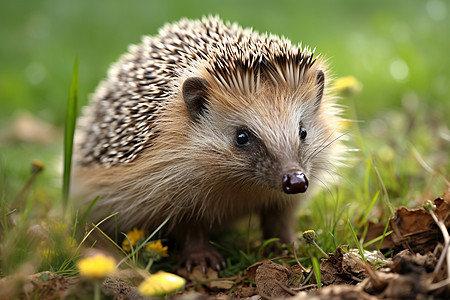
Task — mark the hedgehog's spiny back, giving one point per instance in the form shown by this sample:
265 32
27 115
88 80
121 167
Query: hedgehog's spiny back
120 121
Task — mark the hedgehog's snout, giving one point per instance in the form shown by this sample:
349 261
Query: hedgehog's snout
295 182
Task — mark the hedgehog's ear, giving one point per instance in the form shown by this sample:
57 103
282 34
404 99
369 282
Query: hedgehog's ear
195 90
320 83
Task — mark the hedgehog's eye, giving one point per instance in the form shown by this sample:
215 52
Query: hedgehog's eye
243 137
302 133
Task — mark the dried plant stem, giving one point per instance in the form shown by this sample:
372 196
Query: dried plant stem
285 288
36 168
296 259
305 287
445 254
320 249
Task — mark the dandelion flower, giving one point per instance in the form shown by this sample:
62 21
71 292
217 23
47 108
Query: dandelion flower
96 267
133 236
161 284
37 166
347 85
46 251
309 236
157 249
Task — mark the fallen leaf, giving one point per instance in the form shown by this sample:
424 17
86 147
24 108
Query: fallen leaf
413 229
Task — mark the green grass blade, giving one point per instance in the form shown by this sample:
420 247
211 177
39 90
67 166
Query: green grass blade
265 244
355 238
143 244
69 130
366 179
385 192
385 233
246 257
316 268
75 224
221 247
83 219
148 239
379 238
336 245
96 226
366 214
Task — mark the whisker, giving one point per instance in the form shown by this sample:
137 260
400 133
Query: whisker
318 147
332 174
335 172
326 163
327 145
323 183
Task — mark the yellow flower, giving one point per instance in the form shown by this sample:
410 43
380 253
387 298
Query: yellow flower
309 236
347 85
160 284
37 166
51 249
133 236
157 248
47 252
96 267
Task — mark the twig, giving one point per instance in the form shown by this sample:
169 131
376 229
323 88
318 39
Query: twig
36 168
438 285
428 168
264 296
385 192
441 259
430 207
445 235
305 287
296 259
286 289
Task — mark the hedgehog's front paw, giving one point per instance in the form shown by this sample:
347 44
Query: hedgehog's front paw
204 257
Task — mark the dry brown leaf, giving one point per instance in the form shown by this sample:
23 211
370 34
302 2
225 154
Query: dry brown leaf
413 229
340 269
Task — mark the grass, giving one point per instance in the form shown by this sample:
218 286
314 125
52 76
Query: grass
401 133
316 268
69 131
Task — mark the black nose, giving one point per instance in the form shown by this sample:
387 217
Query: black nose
295 182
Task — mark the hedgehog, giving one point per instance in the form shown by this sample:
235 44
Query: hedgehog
203 124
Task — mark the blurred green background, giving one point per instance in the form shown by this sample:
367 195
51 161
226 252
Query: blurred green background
398 50
393 47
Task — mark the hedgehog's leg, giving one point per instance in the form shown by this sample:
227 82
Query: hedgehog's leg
198 251
278 222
